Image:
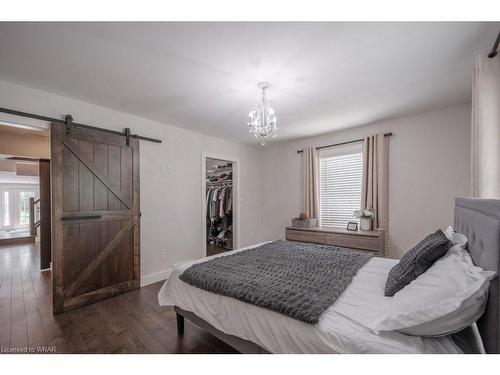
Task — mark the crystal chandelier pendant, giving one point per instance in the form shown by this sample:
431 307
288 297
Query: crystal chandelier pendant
261 119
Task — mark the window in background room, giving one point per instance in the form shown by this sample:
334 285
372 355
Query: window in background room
5 219
24 207
340 174
15 206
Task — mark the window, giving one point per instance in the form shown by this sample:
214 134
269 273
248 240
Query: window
6 209
24 206
15 206
341 174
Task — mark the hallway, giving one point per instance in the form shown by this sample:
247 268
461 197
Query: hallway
129 323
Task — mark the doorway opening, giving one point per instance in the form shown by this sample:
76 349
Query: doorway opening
24 189
16 194
220 204
25 251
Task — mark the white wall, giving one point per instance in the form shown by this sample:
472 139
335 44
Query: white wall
429 165
170 177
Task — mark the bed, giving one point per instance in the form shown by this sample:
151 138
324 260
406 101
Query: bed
343 326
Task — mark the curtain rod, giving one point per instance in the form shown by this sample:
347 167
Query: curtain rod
125 132
494 50
342 143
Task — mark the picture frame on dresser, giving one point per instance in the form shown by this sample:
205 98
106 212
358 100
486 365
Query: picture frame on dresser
352 226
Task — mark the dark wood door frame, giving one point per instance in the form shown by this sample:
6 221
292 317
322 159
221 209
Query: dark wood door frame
45 220
98 276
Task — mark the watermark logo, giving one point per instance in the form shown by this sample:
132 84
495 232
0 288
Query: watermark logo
27 349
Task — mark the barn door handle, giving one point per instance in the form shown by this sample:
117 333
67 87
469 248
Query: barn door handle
83 217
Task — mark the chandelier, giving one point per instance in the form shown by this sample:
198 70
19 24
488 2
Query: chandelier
261 119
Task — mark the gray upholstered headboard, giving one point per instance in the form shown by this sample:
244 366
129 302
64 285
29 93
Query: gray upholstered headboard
479 220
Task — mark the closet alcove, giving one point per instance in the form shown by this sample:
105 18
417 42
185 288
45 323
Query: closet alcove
219 205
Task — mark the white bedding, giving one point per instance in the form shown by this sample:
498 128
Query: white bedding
342 327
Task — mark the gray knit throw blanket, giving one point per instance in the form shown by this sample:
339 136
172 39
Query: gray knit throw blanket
293 278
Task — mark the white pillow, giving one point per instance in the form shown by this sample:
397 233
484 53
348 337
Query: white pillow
455 238
448 297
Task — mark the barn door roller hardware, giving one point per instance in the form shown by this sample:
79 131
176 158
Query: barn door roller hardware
69 124
126 132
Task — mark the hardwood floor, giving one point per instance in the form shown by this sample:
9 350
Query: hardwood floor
129 323
15 237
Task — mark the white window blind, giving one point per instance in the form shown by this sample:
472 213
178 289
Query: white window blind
340 185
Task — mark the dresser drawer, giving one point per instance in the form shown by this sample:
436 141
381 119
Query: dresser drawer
351 241
305 236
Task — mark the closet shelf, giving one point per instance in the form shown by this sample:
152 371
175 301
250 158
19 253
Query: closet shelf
219 170
220 182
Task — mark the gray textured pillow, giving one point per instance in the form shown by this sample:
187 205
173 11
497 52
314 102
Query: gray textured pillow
416 261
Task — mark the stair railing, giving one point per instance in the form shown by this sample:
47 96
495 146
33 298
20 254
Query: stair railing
34 215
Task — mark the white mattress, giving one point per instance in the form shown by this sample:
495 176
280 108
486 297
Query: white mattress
341 329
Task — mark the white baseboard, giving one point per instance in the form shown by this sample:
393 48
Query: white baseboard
155 277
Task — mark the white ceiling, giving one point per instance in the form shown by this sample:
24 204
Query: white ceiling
203 76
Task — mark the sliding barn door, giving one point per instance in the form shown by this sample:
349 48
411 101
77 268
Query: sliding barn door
95 216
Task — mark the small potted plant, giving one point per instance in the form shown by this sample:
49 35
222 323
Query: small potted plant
365 217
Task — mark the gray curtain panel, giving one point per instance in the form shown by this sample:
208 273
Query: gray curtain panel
311 182
376 180
485 129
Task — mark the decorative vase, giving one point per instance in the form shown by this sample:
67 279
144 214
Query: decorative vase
365 223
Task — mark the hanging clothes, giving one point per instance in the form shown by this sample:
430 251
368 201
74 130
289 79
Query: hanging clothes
219 201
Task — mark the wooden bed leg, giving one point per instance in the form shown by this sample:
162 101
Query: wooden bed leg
180 324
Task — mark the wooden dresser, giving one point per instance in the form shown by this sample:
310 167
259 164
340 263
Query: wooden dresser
370 240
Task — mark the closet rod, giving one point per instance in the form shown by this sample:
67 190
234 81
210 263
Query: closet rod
124 133
342 143
494 50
